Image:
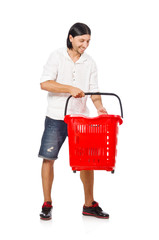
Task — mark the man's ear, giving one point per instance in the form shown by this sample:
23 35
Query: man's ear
70 38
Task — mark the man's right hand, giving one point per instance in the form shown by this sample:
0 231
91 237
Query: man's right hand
76 92
53 86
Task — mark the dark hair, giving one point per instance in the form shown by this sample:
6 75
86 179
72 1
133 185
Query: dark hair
77 29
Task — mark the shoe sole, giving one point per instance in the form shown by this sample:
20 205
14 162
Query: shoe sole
45 219
92 215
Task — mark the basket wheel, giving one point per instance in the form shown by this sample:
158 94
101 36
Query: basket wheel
112 171
74 171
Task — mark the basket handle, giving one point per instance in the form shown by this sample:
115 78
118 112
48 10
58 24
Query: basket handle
97 93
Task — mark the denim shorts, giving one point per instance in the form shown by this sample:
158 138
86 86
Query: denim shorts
54 135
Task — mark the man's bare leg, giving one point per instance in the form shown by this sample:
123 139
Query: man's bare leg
87 178
47 173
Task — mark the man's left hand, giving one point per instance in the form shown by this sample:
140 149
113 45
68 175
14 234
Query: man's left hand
102 111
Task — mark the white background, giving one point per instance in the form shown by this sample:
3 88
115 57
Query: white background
124 44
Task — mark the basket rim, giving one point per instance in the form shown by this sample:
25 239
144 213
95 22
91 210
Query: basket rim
67 117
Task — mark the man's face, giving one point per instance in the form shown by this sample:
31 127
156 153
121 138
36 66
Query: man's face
80 43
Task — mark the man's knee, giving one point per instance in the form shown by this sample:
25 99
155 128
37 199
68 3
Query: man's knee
50 162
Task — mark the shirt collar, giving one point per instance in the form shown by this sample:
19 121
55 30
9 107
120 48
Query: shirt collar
82 58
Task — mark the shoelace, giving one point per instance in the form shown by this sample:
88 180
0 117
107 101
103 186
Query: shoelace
46 208
99 208
96 206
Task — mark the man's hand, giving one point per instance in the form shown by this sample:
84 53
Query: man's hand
97 101
76 92
101 111
53 86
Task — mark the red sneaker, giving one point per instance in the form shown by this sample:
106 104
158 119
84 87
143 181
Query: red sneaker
46 213
94 211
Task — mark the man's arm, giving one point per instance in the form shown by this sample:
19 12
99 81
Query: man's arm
52 86
97 101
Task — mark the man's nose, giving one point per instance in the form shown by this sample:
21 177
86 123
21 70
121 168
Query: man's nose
85 44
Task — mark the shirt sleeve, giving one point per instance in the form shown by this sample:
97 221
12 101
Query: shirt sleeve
50 69
93 86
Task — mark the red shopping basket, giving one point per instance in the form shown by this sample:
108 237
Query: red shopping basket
93 141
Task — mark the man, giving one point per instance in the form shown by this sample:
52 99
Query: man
68 71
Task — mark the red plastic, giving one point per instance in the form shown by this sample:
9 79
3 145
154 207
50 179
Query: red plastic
92 141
